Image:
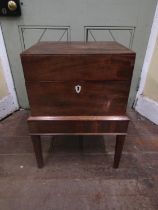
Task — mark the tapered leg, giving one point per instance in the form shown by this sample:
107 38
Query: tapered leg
80 142
38 150
120 139
51 145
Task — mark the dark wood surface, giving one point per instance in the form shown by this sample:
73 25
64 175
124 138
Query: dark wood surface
104 72
81 125
95 98
78 67
66 48
38 150
120 139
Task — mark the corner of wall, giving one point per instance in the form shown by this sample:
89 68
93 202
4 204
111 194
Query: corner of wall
144 105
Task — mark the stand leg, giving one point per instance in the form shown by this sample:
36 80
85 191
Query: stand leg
38 150
120 139
51 145
80 142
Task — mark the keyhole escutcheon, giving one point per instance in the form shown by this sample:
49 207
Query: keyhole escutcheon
78 88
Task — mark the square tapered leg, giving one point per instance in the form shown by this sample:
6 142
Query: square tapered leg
120 139
36 140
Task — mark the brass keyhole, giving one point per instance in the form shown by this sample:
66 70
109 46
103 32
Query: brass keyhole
12 5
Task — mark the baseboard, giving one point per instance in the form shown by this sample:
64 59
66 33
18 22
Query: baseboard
7 106
148 108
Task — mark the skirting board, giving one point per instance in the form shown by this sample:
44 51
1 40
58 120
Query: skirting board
148 108
7 106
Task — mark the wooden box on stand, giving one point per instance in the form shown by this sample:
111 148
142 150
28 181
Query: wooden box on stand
78 88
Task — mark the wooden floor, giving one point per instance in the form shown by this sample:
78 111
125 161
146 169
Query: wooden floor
76 179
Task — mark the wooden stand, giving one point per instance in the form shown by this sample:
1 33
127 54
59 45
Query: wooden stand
44 126
39 157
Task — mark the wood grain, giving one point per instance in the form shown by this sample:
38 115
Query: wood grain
78 67
67 48
95 98
75 126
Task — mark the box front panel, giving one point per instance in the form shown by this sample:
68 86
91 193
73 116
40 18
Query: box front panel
78 98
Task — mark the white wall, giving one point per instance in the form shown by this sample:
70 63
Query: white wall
8 99
146 103
3 85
